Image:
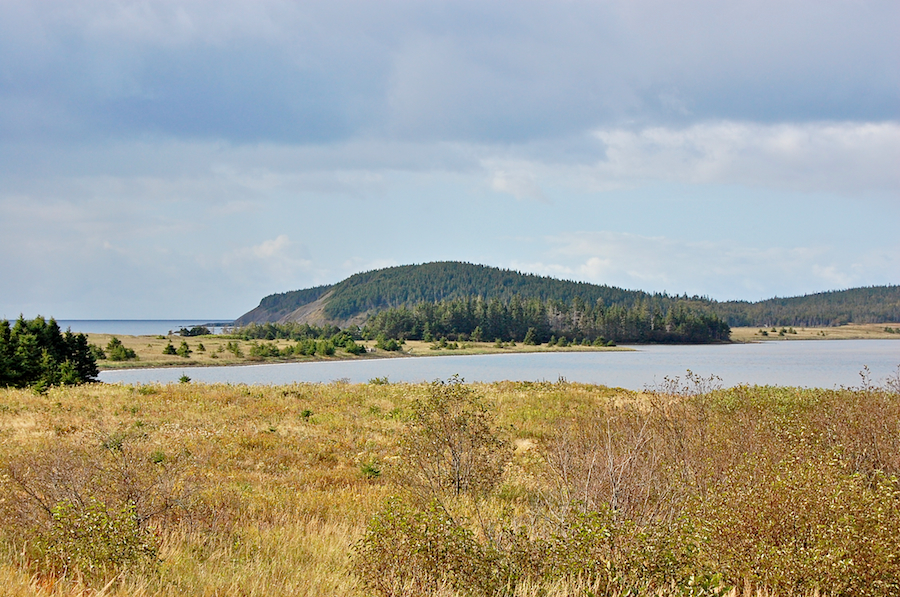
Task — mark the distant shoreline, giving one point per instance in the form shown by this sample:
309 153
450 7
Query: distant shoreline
851 331
149 348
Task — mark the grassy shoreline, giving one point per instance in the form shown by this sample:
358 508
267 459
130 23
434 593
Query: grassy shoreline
149 350
851 331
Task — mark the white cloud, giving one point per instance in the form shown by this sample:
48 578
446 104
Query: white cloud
846 157
720 270
276 261
521 185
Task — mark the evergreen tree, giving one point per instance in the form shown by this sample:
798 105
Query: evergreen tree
36 353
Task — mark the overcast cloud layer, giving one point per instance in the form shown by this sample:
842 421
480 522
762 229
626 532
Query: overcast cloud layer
183 159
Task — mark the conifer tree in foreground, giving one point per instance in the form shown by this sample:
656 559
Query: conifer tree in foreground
36 353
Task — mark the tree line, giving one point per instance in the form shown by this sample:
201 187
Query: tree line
292 330
310 339
37 353
409 286
875 304
648 320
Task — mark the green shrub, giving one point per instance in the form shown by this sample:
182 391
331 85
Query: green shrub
389 344
265 350
118 351
234 348
184 350
169 349
530 338
85 511
95 541
452 445
354 348
418 551
370 469
197 330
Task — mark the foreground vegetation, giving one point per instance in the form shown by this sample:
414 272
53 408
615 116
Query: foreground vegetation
451 489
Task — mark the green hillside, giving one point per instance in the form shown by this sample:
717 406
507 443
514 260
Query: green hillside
409 285
875 304
464 291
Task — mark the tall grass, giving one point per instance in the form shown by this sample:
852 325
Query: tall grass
237 490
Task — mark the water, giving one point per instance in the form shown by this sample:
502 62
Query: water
806 363
135 327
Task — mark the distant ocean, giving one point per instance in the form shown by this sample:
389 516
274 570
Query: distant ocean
138 327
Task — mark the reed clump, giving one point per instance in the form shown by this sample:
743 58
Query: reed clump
450 489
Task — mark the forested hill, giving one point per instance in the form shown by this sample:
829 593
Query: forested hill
408 285
404 287
874 304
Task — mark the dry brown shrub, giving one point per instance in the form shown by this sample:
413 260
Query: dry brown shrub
99 497
452 446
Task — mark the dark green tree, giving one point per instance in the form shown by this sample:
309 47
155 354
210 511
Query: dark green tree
116 351
184 350
530 338
36 353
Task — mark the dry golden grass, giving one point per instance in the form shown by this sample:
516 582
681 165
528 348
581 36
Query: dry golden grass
149 350
853 331
420 348
271 486
277 493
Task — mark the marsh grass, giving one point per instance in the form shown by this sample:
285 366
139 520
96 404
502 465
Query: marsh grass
246 490
852 331
220 351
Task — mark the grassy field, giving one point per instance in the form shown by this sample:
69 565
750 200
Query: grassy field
149 350
853 331
571 489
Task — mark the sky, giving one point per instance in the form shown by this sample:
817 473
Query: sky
184 159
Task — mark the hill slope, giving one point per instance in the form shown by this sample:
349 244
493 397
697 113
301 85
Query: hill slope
367 293
874 304
362 295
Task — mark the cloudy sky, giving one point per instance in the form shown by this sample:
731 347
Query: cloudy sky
163 159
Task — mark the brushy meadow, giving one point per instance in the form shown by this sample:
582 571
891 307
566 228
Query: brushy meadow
519 489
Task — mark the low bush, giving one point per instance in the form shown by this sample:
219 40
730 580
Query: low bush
184 350
87 510
92 540
693 490
116 351
389 344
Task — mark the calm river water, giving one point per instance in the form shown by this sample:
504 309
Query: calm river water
809 363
